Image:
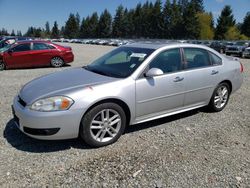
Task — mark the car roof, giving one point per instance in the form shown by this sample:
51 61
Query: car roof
31 41
156 45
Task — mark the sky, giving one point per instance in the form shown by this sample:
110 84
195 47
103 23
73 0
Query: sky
20 14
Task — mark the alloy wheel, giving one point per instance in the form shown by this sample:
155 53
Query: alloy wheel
105 125
221 97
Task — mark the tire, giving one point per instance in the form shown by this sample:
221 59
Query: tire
2 65
220 97
228 54
57 62
96 129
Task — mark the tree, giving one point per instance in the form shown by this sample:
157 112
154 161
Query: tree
191 24
245 27
206 29
55 33
47 29
234 34
78 20
104 26
12 33
93 25
225 21
157 22
71 27
167 10
197 5
118 22
18 33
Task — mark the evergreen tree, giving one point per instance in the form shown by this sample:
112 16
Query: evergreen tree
245 27
175 21
167 19
81 32
71 27
191 24
157 22
104 26
138 20
118 22
47 29
225 21
12 33
93 25
55 33
197 5
78 20
18 33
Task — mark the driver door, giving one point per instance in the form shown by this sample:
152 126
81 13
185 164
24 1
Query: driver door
161 94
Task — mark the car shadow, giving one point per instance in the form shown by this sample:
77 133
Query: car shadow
21 142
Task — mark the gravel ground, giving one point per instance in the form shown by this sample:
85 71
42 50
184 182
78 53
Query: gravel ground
193 149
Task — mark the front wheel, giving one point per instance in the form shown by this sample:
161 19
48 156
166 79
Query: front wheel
103 124
220 97
56 62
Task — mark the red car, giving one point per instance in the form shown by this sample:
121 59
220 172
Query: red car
35 54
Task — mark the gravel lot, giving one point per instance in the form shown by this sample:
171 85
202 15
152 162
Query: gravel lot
193 149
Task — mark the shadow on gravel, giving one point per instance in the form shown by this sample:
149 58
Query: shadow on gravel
24 143
161 121
39 67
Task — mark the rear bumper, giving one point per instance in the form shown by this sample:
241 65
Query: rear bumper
68 57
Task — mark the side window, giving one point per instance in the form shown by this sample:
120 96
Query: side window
215 59
40 46
196 58
167 61
22 48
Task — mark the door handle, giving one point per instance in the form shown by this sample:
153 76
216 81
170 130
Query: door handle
214 72
178 79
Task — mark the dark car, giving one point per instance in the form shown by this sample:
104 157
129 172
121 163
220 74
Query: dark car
35 54
237 48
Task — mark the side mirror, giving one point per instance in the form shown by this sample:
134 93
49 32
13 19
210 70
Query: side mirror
154 72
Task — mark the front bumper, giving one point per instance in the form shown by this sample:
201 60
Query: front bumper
47 125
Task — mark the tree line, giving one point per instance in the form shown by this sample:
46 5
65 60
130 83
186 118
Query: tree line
175 19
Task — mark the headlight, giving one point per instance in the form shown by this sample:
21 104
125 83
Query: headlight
57 103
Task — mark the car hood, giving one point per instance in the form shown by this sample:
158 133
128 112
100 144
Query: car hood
61 82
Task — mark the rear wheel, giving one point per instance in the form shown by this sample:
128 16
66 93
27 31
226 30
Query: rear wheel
220 97
103 124
56 62
2 65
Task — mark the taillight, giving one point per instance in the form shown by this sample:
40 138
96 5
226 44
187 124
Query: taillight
241 67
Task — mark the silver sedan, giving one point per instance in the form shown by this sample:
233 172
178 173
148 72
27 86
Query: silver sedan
129 85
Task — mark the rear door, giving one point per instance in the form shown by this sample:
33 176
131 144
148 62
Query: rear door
19 56
41 54
201 76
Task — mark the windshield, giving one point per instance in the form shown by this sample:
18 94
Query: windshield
121 62
240 44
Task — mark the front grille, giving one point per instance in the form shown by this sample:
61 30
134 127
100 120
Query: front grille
233 49
21 101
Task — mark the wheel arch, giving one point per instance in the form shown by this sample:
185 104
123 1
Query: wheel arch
119 102
229 83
